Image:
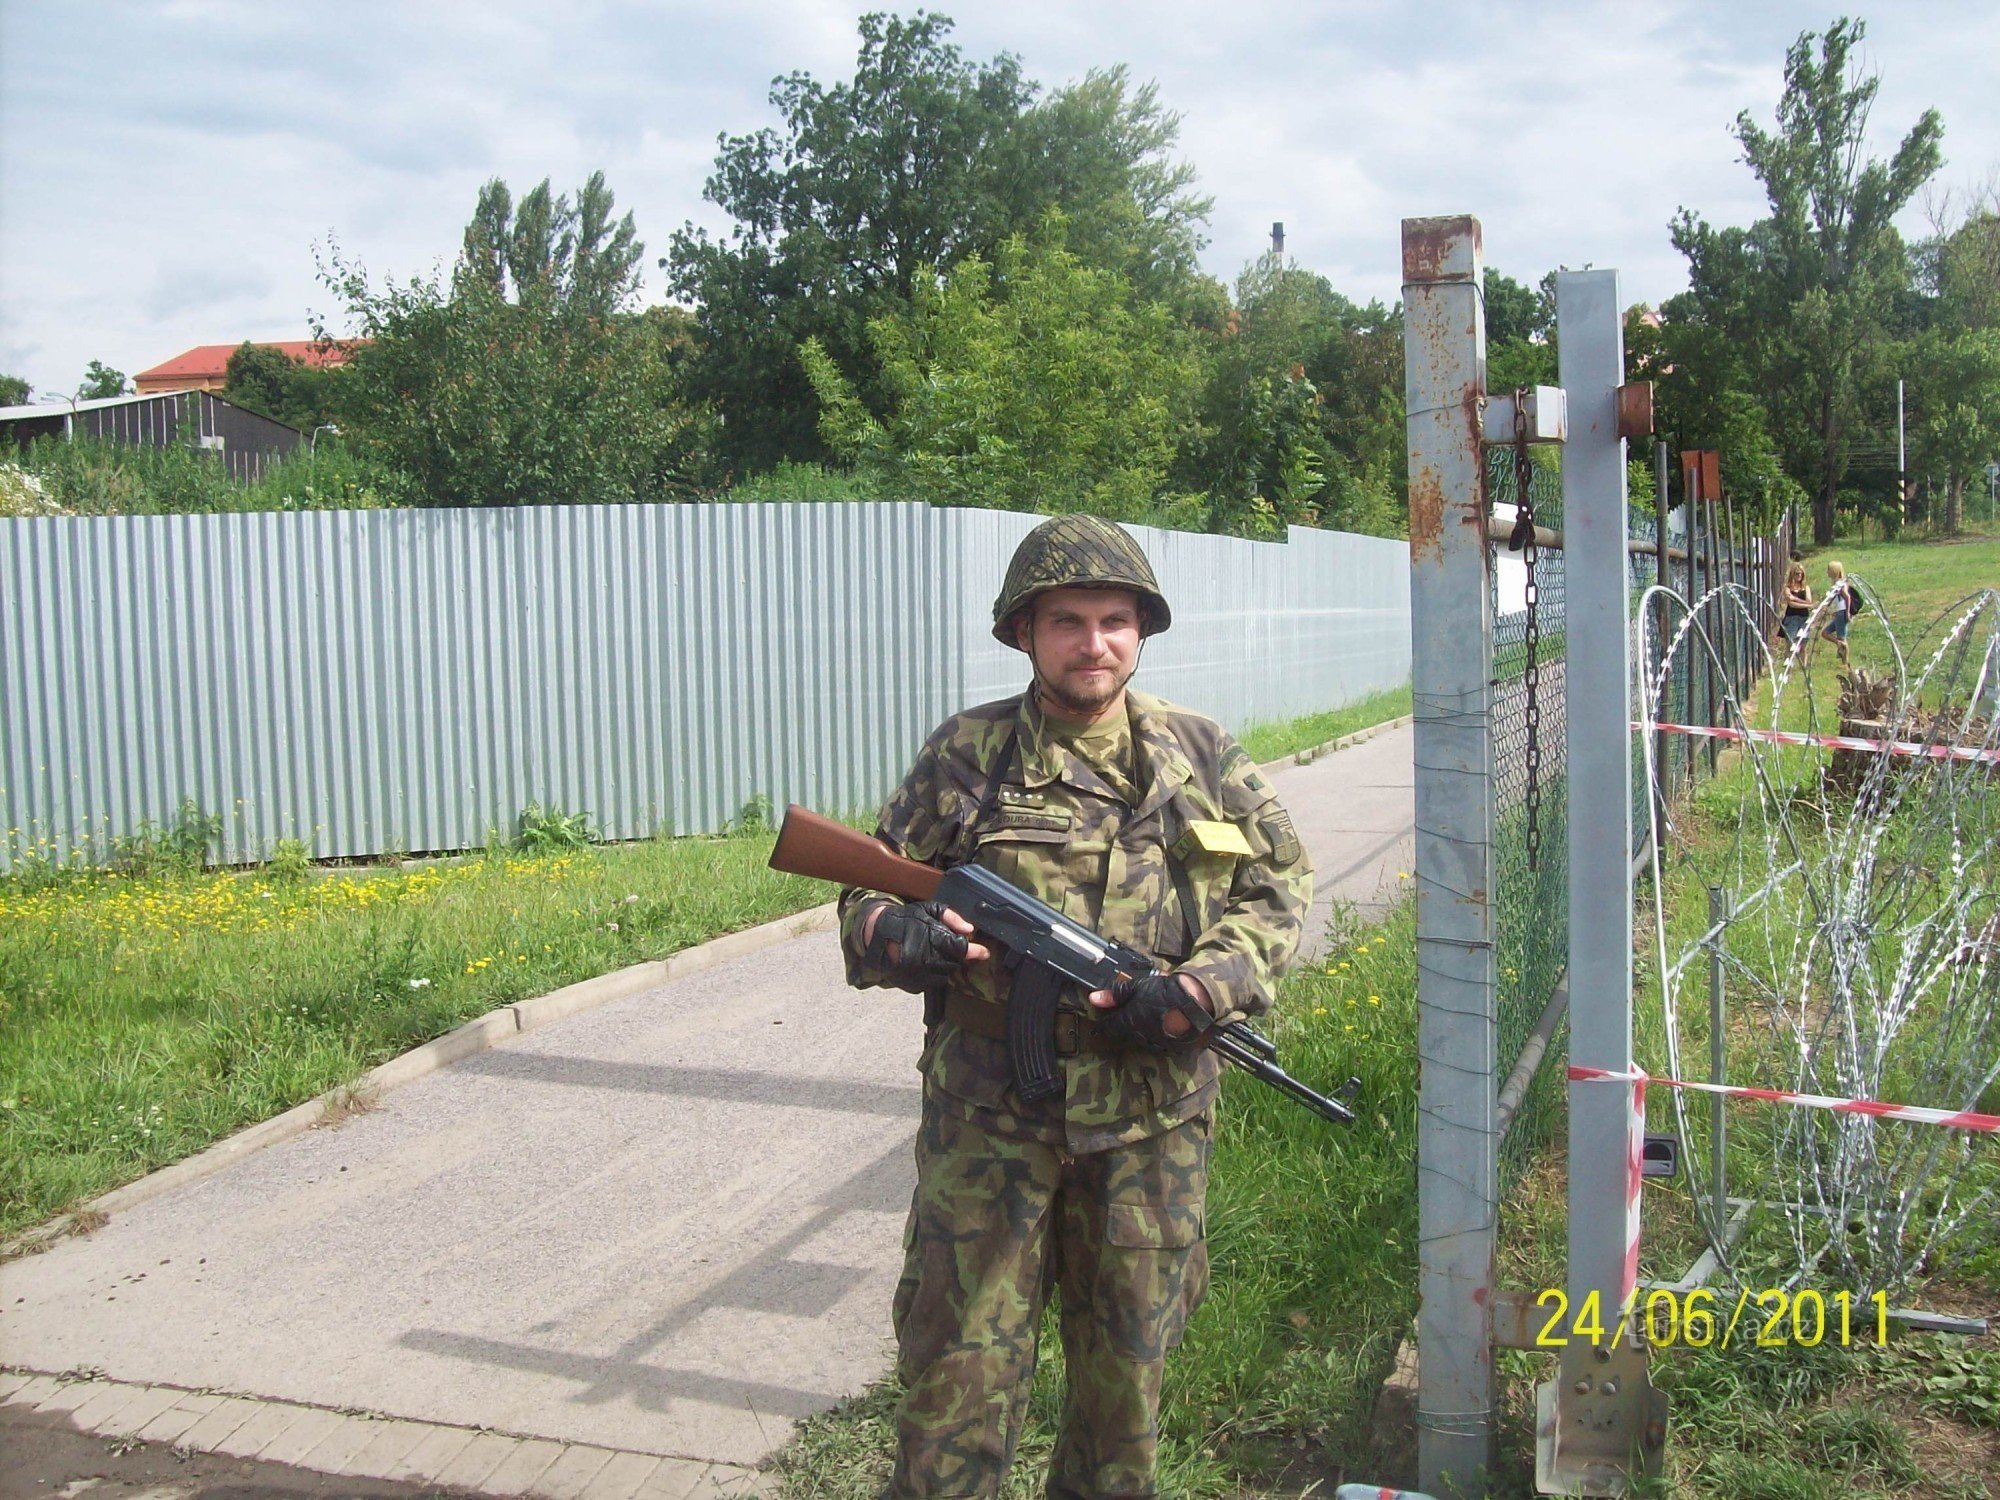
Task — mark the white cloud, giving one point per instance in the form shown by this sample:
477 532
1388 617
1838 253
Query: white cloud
166 168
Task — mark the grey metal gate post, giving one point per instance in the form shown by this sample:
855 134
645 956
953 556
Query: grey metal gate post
1451 627
1600 1419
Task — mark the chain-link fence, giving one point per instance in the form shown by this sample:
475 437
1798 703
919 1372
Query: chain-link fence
1531 891
1531 832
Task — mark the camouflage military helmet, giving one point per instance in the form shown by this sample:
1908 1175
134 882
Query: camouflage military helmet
1078 552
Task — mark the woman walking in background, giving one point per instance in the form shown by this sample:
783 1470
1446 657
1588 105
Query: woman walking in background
1841 592
1797 605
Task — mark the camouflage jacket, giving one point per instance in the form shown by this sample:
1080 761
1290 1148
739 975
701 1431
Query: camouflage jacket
1058 830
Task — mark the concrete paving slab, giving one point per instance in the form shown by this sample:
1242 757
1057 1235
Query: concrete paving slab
524 1466
666 1226
622 1478
213 1430
105 1403
304 1436
147 1406
269 1424
476 1461
38 1389
172 1424
570 1474
347 1437
380 1455
69 1395
430 1458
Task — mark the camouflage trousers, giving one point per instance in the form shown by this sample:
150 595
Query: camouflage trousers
995 1224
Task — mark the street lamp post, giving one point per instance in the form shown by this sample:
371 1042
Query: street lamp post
312 443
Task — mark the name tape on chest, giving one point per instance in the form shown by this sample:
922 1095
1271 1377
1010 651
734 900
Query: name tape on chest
1211 837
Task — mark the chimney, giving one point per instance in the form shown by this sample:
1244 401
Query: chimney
1278 239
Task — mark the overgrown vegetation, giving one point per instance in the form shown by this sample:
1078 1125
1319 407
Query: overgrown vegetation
1914 1418
90 478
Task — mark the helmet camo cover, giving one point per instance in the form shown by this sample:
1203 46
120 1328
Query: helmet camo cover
1078 551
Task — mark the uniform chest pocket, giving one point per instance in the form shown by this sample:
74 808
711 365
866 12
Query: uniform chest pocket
1027 856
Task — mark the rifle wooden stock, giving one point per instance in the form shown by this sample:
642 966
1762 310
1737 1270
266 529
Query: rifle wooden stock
809 844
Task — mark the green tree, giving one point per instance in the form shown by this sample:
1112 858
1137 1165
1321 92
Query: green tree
1520 332
1301 410
14 391
526 379
1704 397
100 381
1955 402
270 382
1811 288
1033 382
923 159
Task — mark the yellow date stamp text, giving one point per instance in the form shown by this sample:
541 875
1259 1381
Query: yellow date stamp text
1776 1318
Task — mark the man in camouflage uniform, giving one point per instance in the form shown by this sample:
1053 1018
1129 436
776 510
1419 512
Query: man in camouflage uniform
1150 825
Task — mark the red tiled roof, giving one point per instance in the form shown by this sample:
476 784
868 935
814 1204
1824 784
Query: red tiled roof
211 361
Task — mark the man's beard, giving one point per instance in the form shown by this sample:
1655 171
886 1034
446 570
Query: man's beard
1081 707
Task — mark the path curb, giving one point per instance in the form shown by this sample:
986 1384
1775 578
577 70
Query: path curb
476 1035
369 1445
1312 753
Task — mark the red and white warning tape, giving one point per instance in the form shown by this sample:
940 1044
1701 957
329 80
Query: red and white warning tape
1832 742
1956 1119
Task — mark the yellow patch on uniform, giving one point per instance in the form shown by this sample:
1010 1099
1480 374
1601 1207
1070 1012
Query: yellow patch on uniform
1212 837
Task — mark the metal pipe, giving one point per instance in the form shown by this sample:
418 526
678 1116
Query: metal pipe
1663 748
1529 1062
1603 1129
1718 917
1502 532
1713 557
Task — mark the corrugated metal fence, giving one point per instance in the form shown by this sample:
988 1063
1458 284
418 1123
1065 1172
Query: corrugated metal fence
410 679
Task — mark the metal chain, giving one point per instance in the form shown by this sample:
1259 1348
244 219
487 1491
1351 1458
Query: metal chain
1522 540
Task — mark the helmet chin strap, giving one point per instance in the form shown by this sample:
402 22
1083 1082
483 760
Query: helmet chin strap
1048 694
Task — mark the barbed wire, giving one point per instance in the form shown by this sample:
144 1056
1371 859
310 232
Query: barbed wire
1863 940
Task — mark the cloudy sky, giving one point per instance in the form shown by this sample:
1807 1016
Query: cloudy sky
167 167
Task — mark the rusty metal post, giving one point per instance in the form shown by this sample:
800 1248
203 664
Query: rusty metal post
1451 627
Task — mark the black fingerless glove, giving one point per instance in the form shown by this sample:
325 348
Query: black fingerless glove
1143 1007
927 951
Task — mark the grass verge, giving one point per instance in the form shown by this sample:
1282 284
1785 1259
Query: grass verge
1268 742
142 1020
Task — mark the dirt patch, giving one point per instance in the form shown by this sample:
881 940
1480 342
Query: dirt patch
47 1457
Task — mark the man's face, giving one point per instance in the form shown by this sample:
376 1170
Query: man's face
1084 644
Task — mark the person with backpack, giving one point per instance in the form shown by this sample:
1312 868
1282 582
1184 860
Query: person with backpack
1846 600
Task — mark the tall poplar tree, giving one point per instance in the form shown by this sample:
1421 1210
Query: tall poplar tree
1807 291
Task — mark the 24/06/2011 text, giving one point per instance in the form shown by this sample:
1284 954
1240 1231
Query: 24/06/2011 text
1777 1319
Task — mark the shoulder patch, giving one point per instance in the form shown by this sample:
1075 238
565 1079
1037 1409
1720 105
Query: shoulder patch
1276 826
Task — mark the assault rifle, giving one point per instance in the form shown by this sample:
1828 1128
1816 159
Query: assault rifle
1043 948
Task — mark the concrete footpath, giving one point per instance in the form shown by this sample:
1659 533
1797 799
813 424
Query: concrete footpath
619 1256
